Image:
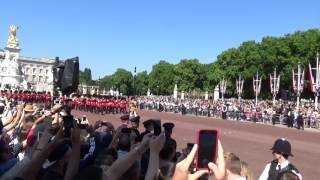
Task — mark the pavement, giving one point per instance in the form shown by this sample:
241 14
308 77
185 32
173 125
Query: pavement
250 141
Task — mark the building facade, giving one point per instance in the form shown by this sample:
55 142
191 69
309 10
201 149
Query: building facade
20 72
38 72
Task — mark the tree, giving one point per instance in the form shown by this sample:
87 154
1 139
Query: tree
189 74
161 78
106 82
85 76
141 82
122 80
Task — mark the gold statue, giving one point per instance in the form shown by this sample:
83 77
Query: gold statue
13 41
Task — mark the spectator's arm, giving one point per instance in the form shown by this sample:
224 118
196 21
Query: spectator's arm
120 166
41 119
56 118
16 119
115 138
73 165
41 153
156 144
9 121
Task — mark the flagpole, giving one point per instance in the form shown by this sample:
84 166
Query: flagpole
274 86
257 88
298 88
317 83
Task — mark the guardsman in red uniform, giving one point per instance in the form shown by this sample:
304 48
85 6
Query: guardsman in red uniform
88 103
123 106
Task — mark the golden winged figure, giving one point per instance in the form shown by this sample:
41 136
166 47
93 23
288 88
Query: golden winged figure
13 41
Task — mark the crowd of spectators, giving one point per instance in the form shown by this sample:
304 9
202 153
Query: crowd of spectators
38 142
282 112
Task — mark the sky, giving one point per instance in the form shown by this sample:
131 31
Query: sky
107 35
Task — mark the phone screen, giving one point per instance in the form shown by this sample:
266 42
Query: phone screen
207 148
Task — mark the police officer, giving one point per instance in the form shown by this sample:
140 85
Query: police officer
168 132
125 119
300 122
149 126
134 126
281 151
290 118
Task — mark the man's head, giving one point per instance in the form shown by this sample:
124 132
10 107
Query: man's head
125 119
59 157
168 128
135 122
281 148
148 125
233 163
124 142
28 109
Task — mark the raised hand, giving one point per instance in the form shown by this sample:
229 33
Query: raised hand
182 168
156 143
219 168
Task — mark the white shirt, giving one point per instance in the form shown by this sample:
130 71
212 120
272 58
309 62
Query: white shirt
265 173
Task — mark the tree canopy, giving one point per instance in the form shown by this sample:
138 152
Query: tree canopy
283 53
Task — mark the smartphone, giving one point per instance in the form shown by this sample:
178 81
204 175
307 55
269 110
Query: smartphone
39 135
207 148
68 124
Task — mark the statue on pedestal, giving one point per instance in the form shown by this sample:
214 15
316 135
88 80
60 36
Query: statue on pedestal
13 41
10 70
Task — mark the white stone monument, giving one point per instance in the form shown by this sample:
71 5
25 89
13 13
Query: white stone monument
148 93
175 92
216 93
111 92
182 95
10 69
206 96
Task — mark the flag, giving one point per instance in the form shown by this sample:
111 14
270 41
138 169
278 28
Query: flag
278 84
293 83
312 80
271 84
302 82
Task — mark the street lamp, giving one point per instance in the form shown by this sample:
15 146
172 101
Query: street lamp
239 86
298 83
257 86
223 87
274 85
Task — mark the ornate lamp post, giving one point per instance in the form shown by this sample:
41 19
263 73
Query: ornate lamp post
239 86
257 86
298 83
274 85
315 86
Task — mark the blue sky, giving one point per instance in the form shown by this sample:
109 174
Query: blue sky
107 35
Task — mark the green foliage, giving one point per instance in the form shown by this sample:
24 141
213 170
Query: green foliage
283 53
141 82
85 77
122 80
161 78
189 75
